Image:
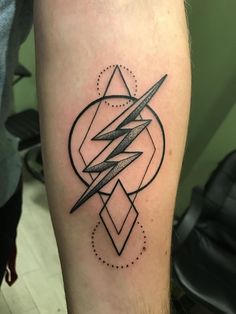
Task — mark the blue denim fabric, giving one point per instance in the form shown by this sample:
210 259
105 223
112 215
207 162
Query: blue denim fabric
15 23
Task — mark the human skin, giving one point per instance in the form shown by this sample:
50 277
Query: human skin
75 40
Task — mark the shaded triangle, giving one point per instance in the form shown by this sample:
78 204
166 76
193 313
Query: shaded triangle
117 84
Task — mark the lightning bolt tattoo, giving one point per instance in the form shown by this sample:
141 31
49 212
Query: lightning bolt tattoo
113 159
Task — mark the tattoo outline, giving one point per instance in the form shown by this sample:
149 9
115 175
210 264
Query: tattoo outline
103 172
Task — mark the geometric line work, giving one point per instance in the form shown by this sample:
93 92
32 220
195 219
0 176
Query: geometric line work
86 164
119 237
112 264
108 165
111 88
115 166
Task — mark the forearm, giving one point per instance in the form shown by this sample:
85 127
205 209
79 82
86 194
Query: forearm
80 44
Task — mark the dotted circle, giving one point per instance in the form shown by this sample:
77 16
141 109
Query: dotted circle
129 71
112 265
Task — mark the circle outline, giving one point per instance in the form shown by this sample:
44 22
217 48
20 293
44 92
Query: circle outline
113 265
99 100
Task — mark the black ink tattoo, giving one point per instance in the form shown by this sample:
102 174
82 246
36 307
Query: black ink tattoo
111 138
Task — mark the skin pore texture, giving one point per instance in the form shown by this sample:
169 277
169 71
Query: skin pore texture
114 95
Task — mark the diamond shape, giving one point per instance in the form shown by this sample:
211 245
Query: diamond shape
119 216
145 160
